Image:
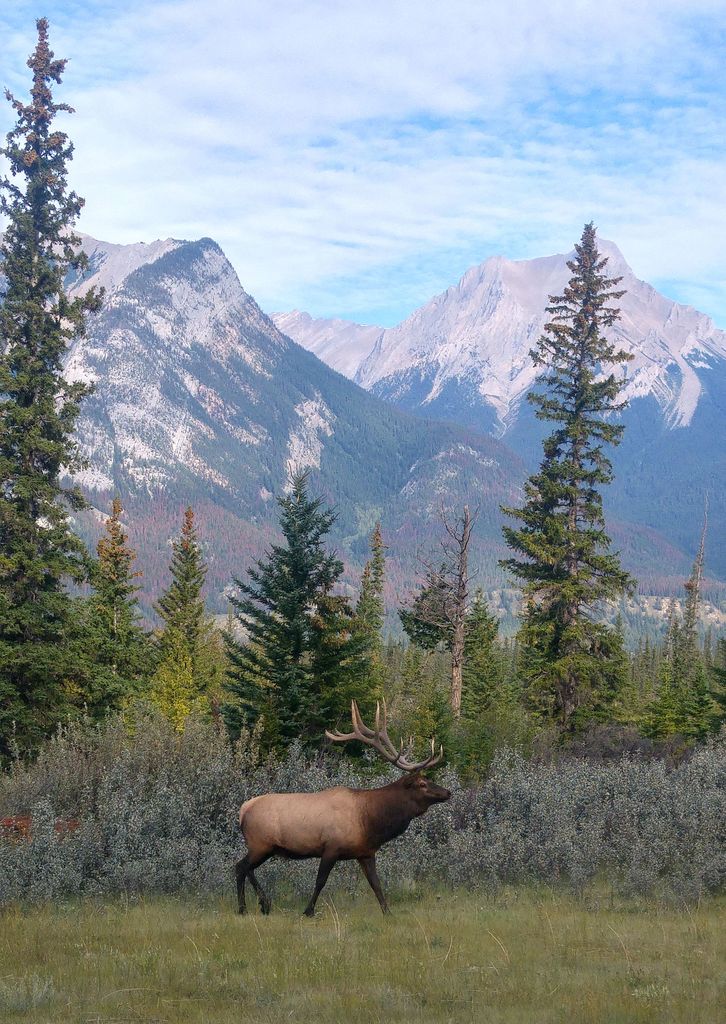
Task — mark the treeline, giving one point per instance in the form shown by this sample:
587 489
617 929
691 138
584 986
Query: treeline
294 652
298 646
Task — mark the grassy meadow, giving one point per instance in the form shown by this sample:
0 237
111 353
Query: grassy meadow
524 955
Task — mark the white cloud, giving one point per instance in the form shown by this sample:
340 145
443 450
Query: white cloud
354 160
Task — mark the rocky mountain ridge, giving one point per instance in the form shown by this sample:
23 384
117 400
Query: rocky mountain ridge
469 346
464 358
199 399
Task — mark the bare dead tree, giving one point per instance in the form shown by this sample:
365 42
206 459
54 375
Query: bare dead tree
439 612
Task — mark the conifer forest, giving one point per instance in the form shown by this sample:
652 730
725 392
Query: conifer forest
583 757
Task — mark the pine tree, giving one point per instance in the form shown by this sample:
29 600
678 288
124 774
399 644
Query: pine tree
718 685
173 690
481 673
438 614
38 410
564 565
697 709
369 612
426 622
181 607
300 661
117 645
421 707
684 701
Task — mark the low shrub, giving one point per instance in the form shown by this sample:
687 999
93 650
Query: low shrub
156 812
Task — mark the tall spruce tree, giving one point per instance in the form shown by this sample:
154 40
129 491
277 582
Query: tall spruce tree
181 607
299 660
38 410
482 674
369 611
116 643
564 563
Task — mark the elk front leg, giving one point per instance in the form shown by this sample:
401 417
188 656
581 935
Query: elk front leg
369 870
326 866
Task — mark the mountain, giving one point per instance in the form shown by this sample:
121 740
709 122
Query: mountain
464 358
199 398
468 348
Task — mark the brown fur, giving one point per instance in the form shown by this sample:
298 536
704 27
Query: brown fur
335 824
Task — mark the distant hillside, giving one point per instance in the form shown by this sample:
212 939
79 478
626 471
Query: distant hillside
200 399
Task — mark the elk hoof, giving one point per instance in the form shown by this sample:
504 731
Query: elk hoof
309 912
265 906
242 910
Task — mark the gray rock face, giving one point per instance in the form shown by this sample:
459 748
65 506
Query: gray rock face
464 358
470 345
174 357
200 399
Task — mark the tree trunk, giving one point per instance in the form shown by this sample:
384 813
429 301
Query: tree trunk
461 596
457 665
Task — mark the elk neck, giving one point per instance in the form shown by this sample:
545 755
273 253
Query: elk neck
389 811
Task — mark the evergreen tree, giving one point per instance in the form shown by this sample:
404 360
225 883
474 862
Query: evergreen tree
299 661
116 643
173 690
564 565
438 615
38 410
426 623
482 677
369 612
718 685
181 607
420 705
684 701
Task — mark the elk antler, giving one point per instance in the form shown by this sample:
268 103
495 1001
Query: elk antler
379 739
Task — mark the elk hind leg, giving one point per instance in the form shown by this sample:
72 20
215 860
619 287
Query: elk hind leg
369 870
263 898
244 869
326 866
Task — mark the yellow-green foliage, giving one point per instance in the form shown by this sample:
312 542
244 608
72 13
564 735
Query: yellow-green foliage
173 691
528 957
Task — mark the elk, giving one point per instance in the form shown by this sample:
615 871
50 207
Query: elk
340 823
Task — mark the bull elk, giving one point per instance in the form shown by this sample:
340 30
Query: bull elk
341 823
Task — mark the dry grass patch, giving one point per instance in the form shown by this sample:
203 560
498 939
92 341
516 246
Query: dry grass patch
523 956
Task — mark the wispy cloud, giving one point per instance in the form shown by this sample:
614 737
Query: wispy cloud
354 160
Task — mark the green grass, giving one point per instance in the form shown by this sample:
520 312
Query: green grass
524 956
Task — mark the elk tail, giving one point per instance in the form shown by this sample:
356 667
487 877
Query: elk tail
243 810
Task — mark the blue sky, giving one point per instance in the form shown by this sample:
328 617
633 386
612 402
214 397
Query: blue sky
353 160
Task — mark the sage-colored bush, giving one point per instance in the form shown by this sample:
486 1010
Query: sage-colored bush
157 813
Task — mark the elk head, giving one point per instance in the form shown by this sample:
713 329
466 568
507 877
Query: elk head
420 789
